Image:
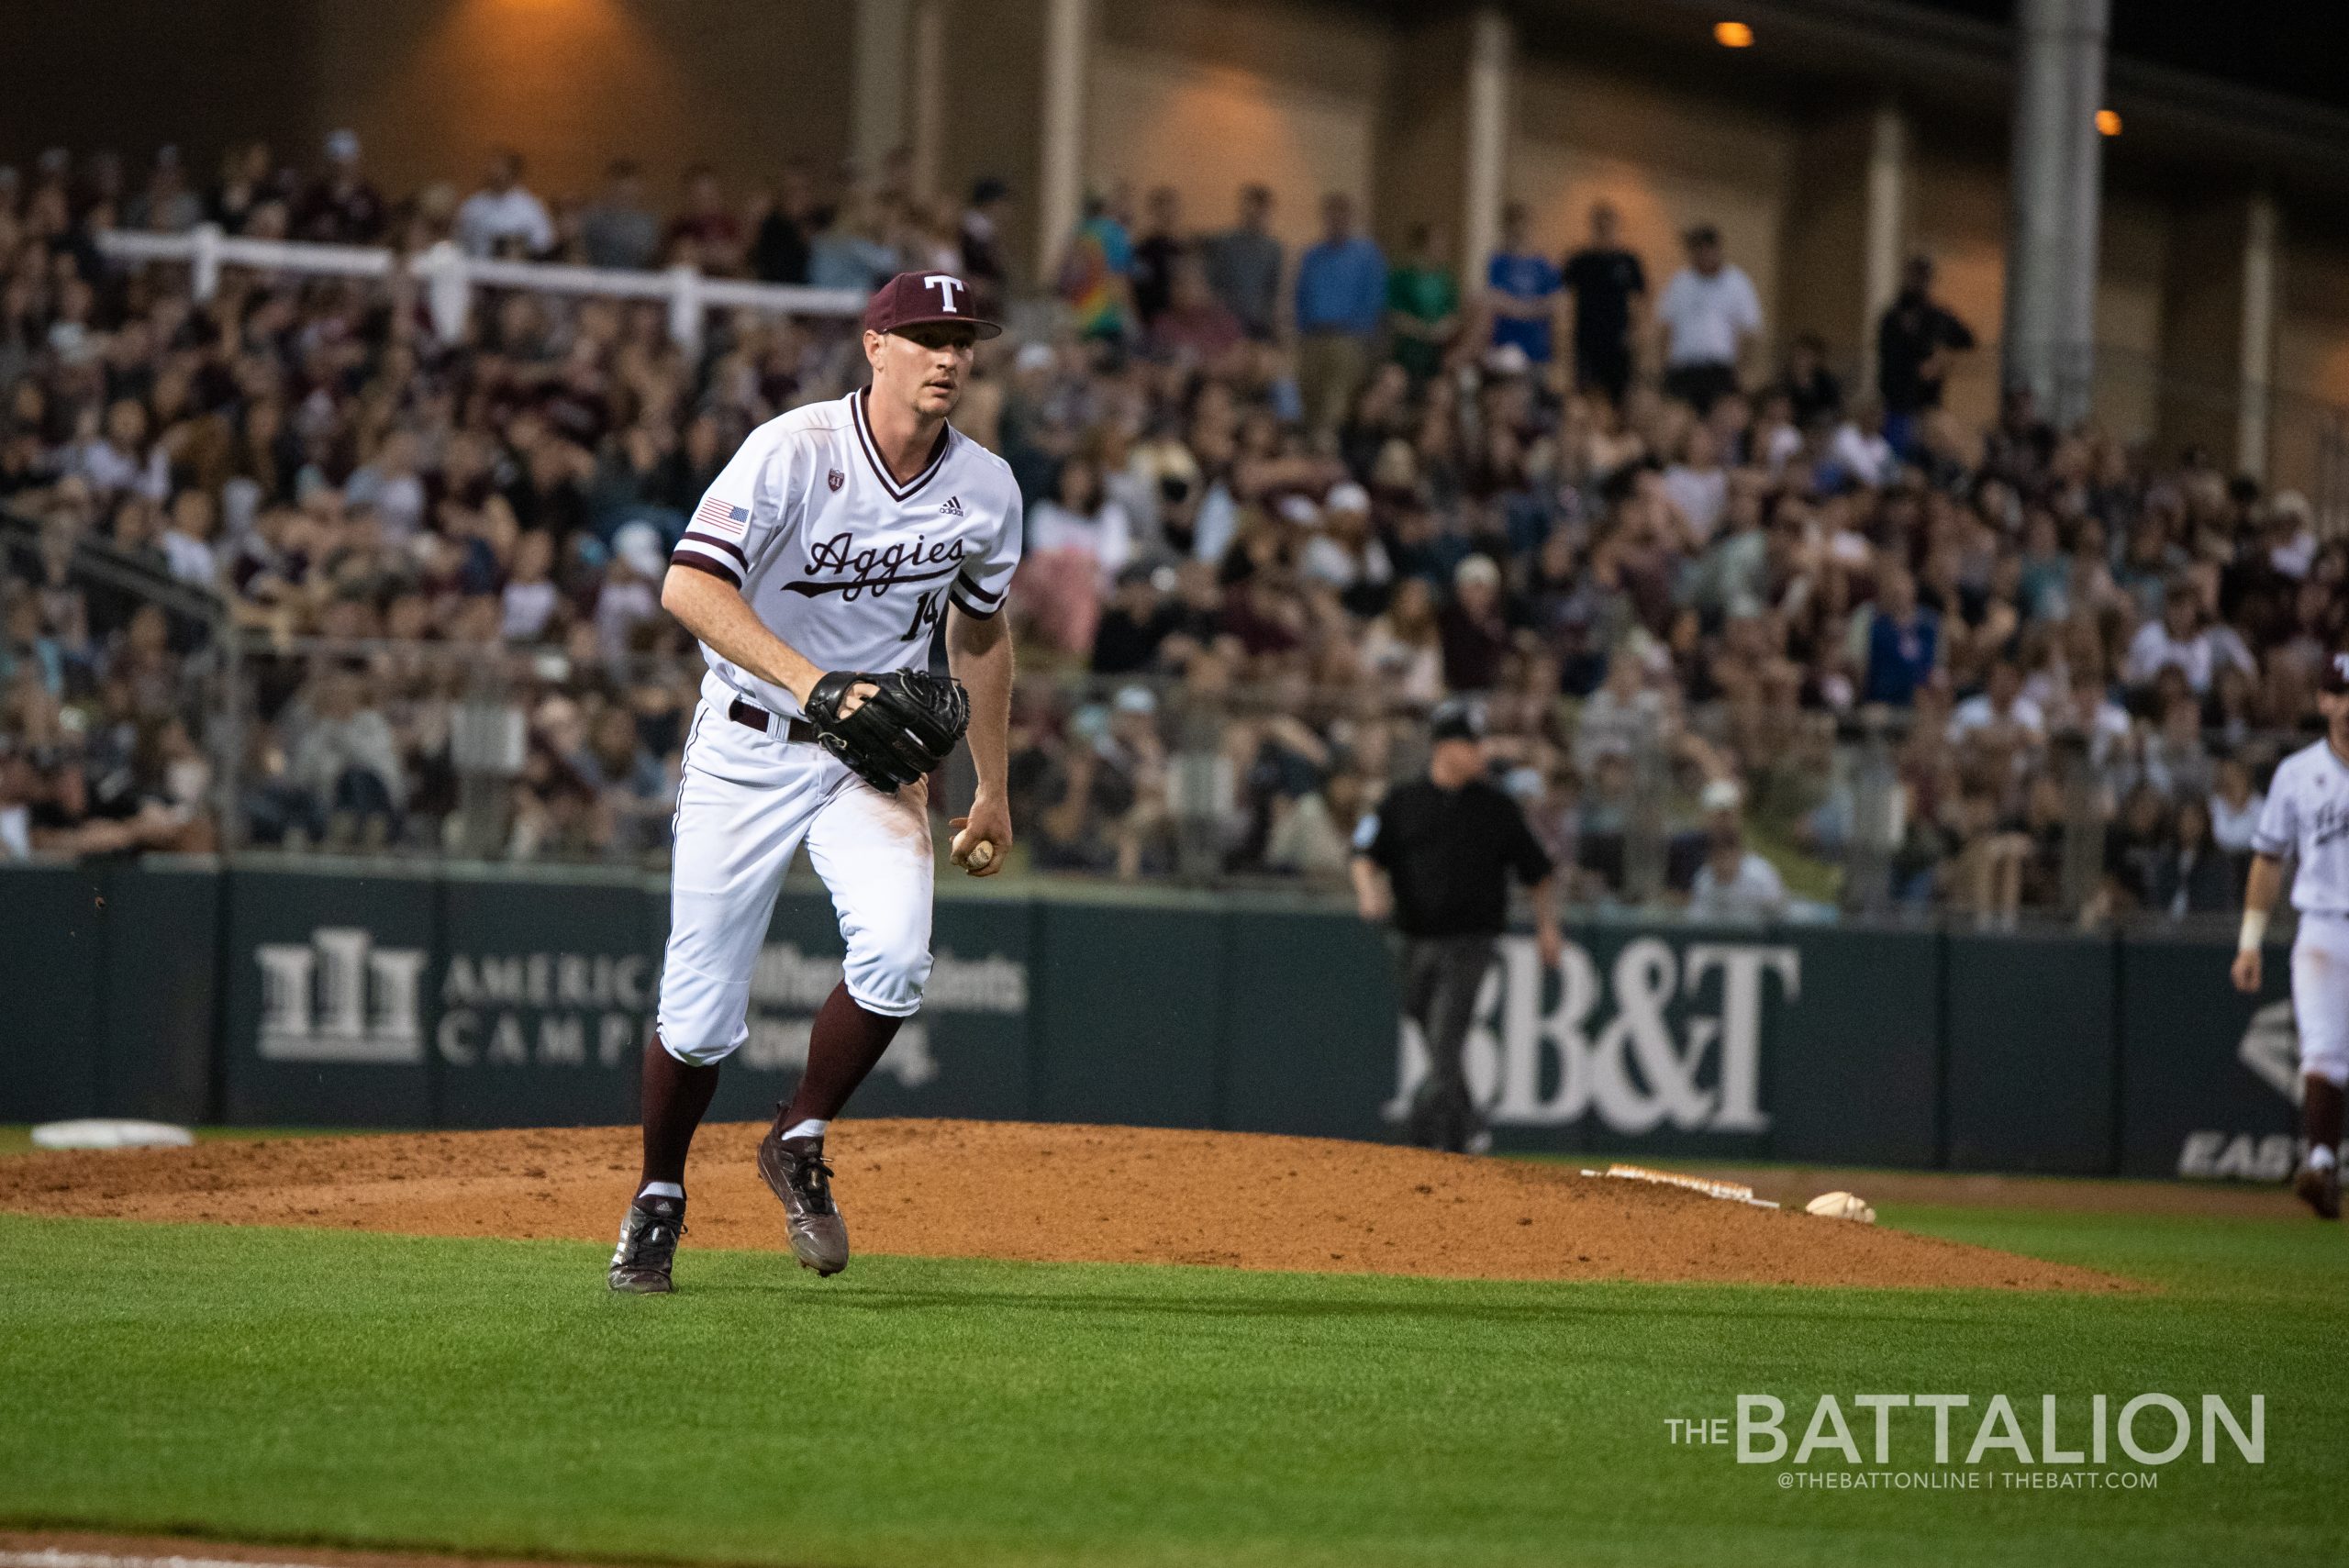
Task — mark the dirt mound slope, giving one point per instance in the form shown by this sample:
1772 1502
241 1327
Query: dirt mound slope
1045 1193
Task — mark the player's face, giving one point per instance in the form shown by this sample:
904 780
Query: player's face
2334 706
923 366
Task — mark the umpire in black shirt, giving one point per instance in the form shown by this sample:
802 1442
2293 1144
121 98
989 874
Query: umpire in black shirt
1445 845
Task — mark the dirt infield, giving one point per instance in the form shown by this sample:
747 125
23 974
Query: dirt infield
1015 1190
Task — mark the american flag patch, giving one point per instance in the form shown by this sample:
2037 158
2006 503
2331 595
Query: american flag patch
717 517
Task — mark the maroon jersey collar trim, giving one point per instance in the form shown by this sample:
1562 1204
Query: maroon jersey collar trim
873 452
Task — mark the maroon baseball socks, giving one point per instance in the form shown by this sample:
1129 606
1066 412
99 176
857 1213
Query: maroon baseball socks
676 1096
2321 1119
846 1041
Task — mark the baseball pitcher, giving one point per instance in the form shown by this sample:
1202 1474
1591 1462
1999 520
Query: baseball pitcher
814 572
2307 817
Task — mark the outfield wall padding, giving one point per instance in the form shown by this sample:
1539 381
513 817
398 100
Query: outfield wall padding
162 969
2204 1074
52 962
2030 1032
367 996
1856 1061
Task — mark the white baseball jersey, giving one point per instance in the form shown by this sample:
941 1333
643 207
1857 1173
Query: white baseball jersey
2307 815
840 560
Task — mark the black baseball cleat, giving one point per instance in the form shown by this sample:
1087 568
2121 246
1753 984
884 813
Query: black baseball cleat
648 1246
797 1172
2320 1189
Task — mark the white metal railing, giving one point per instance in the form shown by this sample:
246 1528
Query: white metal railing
450 277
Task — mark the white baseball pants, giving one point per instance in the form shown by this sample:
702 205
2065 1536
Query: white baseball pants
2320 996
745 803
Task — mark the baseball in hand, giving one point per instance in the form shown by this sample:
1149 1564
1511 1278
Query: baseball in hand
978 856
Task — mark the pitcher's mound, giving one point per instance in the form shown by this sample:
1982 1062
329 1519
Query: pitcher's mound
1045 1192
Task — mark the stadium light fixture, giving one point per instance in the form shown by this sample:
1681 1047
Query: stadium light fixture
2107 122
1732 35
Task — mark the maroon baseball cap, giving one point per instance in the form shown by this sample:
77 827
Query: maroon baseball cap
915 299
2334 675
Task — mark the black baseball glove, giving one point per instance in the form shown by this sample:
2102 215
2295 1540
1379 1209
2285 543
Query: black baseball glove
900 733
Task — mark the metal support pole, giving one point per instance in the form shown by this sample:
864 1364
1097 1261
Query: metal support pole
1877 823
929 96
1199 782
1068 30
2057 190
204 266
228 735
2083 864
1485 179
2084 68
686 308
1887 194
448 291
1646 856
2258 367
878 126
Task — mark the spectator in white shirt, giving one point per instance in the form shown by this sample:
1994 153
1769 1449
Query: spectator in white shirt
2177 762
1859 448
1735 883
2182 639
1773 441
527 606
2086 709
1698 484
389 484
1344 553
188 541
2292 535
345 752
1403 646
503 215
629 595
121 459
2000 715
1082 518
1709 316
1625 713
2235 807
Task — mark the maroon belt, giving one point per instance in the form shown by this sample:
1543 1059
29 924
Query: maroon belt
751 717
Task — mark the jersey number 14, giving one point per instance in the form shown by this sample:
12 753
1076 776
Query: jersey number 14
926 614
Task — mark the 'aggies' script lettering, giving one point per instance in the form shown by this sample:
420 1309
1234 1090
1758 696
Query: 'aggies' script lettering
875 569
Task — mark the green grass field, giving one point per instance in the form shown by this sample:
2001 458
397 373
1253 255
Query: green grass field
491 1397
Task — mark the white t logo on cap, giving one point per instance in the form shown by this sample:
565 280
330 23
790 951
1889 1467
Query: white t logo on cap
946 287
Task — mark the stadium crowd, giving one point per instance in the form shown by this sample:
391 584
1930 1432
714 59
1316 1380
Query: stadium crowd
1277 504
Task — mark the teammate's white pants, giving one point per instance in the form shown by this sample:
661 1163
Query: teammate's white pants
745 803
2320 996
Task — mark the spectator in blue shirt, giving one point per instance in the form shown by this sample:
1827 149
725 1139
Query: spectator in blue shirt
1896 643
1340 300
1523 290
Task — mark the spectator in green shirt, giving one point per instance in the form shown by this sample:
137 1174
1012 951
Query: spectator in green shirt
1423 307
